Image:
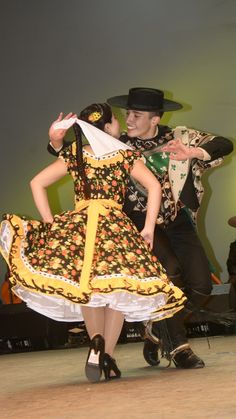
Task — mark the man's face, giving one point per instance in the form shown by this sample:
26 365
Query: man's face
141 124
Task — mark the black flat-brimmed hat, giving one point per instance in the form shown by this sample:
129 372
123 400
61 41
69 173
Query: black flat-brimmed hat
144 99
232 221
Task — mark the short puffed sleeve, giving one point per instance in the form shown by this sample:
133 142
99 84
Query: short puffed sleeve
68 155
131 157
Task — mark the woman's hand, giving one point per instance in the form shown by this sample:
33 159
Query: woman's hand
56 135
147 179
148 235
48 220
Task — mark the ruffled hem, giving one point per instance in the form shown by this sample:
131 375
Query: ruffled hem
34 281
135 308
61 298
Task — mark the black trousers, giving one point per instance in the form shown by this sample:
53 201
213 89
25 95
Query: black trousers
180 251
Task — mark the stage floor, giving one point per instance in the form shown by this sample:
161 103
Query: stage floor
52 384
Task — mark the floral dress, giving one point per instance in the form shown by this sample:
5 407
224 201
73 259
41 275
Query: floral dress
92 255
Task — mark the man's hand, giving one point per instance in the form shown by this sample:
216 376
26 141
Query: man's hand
179 151
56 135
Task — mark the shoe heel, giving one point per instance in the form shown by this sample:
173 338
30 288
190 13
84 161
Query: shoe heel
109 365
94 363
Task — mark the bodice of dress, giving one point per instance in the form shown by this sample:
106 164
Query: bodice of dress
107 176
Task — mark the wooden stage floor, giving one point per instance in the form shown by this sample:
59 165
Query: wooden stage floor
51 384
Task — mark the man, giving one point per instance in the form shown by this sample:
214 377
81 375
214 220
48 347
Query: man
176 242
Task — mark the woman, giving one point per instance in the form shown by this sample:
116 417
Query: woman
91 264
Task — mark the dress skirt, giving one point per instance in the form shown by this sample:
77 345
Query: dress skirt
92 256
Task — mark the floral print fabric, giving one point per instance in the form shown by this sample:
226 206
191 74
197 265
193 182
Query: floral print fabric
50 259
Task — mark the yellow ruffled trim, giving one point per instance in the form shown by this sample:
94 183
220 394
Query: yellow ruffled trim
62 287
46 284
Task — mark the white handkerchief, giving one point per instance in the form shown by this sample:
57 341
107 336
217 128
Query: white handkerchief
100 142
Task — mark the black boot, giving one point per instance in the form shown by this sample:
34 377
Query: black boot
183 357
172 343
150 352
181 354
151 344
156 338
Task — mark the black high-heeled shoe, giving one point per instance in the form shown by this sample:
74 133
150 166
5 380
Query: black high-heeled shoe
94 363
109 365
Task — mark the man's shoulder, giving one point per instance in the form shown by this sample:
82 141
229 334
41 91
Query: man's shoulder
164 131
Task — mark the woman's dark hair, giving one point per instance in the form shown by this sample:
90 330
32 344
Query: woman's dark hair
79 159
97 114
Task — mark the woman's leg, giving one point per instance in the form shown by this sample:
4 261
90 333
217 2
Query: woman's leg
108 323
94 319
113 324
114 320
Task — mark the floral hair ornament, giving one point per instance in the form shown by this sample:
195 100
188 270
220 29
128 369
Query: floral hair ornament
94 116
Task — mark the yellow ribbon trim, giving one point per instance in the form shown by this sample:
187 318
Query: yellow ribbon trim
95 207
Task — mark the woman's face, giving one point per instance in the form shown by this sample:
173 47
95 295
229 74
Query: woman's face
113 128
